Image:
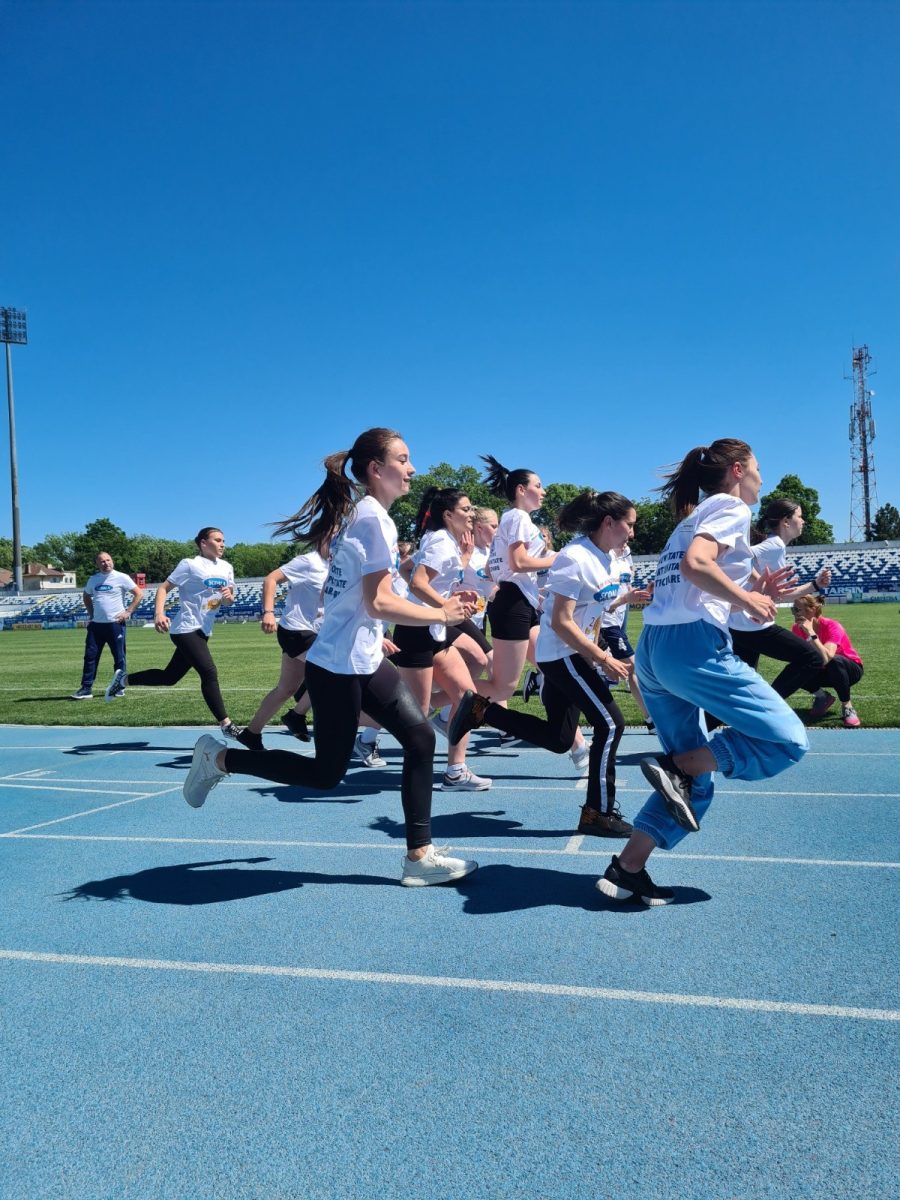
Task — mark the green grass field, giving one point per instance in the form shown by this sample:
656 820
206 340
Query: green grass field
41 668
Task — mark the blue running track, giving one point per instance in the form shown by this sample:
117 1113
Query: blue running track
241 1001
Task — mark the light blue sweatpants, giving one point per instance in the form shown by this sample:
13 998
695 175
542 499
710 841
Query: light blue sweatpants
686 669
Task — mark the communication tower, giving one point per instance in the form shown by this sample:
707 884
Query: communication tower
863 499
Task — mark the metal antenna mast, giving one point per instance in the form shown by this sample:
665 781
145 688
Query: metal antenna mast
862 461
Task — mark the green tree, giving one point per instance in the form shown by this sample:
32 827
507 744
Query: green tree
57 550
258 558
816 532
155 557
6 554
886 526
467 479
655 522
99 535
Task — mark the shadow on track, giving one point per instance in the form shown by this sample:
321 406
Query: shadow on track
501 889
190 883
479 824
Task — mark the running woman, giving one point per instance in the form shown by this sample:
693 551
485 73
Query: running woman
685 662
204 582
346 671
431 655
780 523
296 630
581 582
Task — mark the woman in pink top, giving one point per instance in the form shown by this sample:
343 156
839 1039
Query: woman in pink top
841 665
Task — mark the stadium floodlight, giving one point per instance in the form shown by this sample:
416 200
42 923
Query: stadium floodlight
13 332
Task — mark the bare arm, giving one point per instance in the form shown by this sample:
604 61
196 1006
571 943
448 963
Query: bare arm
562 622
700 568
270 583
88 602
161 622
521 560
383 603
137 594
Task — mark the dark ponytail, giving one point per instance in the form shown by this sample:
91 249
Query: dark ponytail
204 534
702 470
319 519
587 512
435 503
771 517
501 482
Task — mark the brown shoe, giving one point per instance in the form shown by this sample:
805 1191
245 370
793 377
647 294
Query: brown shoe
600 824
469 715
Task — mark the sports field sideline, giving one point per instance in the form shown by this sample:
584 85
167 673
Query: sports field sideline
241 1001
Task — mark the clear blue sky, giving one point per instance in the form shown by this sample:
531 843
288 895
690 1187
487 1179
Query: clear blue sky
581 237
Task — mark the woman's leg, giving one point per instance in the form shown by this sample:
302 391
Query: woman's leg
454 679
194 647
509 659
337 700
387 700
803 661
292 672
586 689
173 672
841 674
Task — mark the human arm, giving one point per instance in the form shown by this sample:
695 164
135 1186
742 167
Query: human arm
161 622
521 560
383 603
807 630
88 601
563 624
137 594
699 567
270 583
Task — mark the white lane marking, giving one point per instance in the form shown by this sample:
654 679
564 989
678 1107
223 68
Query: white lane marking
522 987
34 773
88 812
26 785
501 851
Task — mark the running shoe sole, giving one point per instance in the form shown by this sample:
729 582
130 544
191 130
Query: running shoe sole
679 808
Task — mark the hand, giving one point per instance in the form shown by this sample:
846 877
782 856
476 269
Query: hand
227 596
389 647
776 584
268 623
613 669
638 596
161 624
823 578
759 608
455 610
122 617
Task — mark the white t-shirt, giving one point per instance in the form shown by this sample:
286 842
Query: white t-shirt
770 553
726 519
516 526
200 582
589 576
618 618
439 551
303 603
108 590
349 641
475 579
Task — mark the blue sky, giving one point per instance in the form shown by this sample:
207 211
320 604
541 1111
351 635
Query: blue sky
580 237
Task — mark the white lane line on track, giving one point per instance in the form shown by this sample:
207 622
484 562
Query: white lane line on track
501 851
87 812
27 785
521 987
573 845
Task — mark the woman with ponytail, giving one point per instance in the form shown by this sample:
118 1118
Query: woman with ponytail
432 655
581 583
778 525
685 662
346 671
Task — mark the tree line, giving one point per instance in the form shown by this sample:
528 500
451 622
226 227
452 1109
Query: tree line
156 557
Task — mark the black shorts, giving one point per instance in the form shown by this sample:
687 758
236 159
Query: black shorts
617 642
294 642
471 630
511 616
416 646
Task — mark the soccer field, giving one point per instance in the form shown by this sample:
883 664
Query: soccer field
43 667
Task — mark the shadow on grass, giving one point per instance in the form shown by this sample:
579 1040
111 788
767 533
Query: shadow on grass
478 824
502 889
193 883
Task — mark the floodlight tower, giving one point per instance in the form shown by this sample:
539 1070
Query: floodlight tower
862 460
12 332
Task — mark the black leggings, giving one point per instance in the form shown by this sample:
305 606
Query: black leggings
841 674
191 652
337 701
572 686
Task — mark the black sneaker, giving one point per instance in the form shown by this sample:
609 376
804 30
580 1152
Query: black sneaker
532 685
230 730
253 741
619 884
674 787
469 715
82 694
608 824
296 724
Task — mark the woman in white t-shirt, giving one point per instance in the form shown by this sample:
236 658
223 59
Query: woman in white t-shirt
205 583
346 670
685 662
296 629
429 656
581 583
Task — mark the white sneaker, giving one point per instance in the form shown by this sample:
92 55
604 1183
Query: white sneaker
465 781
435 867
579 756
440 725
116 687
204 774
367 753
